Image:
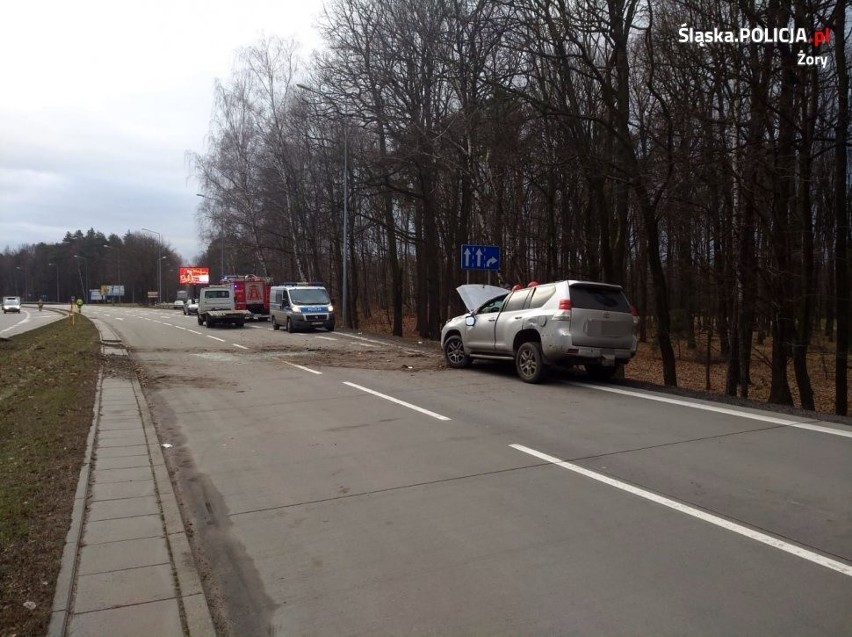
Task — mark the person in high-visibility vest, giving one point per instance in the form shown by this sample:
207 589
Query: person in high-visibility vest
79 306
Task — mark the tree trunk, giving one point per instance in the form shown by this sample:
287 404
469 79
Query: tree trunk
841 211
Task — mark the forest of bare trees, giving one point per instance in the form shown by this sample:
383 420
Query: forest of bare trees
584 138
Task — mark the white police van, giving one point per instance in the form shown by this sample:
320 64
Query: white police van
301 306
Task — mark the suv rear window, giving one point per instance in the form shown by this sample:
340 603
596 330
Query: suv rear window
592 297
541 295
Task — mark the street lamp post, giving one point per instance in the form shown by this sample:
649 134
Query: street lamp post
345 285
17 267
56 265
86 286
222 248
159 264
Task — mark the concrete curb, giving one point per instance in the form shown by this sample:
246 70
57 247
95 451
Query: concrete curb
191 601
196 611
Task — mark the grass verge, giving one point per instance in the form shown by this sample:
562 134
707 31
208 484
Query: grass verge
48 379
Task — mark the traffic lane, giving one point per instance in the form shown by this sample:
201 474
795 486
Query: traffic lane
146 329
529 551
268 434
792 482
27 319
259 335
252 433
304 591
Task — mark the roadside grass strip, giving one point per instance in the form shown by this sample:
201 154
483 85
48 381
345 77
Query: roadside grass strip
728 525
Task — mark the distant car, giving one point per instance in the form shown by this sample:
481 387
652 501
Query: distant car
178 304
190 307
11 304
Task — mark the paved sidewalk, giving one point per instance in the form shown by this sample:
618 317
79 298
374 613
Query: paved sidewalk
127 568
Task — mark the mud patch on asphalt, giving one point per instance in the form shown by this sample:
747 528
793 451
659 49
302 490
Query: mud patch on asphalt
199 382
361 359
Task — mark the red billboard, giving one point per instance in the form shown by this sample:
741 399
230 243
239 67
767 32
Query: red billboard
192 275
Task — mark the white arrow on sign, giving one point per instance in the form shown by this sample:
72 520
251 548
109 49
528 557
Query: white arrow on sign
467 257
490 262
479 257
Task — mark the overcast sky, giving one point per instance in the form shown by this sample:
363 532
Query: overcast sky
103 99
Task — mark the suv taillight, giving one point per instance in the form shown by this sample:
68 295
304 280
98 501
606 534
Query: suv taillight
564 311
634 311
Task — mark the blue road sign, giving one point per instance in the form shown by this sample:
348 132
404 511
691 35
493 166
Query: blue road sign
478 257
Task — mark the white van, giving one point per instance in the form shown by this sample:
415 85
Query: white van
301 306
216 305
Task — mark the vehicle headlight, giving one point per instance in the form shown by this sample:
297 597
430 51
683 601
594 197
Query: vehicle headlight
331 308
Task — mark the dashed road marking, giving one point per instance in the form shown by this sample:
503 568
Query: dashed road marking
398 401
216 338
720 410
302 367
740 529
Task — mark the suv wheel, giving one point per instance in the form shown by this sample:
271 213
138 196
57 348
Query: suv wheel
290 328
275 325
454 353
201 319
529 362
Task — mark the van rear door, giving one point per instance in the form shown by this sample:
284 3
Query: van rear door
600 316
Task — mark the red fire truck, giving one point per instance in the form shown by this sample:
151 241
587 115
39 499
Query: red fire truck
251 293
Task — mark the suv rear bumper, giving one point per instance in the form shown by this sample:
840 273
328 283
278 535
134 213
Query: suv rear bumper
585 355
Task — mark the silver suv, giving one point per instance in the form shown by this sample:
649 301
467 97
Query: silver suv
566 322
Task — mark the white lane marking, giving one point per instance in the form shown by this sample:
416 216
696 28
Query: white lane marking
361 338
215 338
302 367
180 328
327 338
721 410
254 327
118 319
398 401
365 344
764 538
193 331
26 319
238 345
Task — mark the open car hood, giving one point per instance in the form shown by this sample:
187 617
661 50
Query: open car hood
475 295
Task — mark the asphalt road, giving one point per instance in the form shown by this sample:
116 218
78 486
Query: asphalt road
29 318
329 499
